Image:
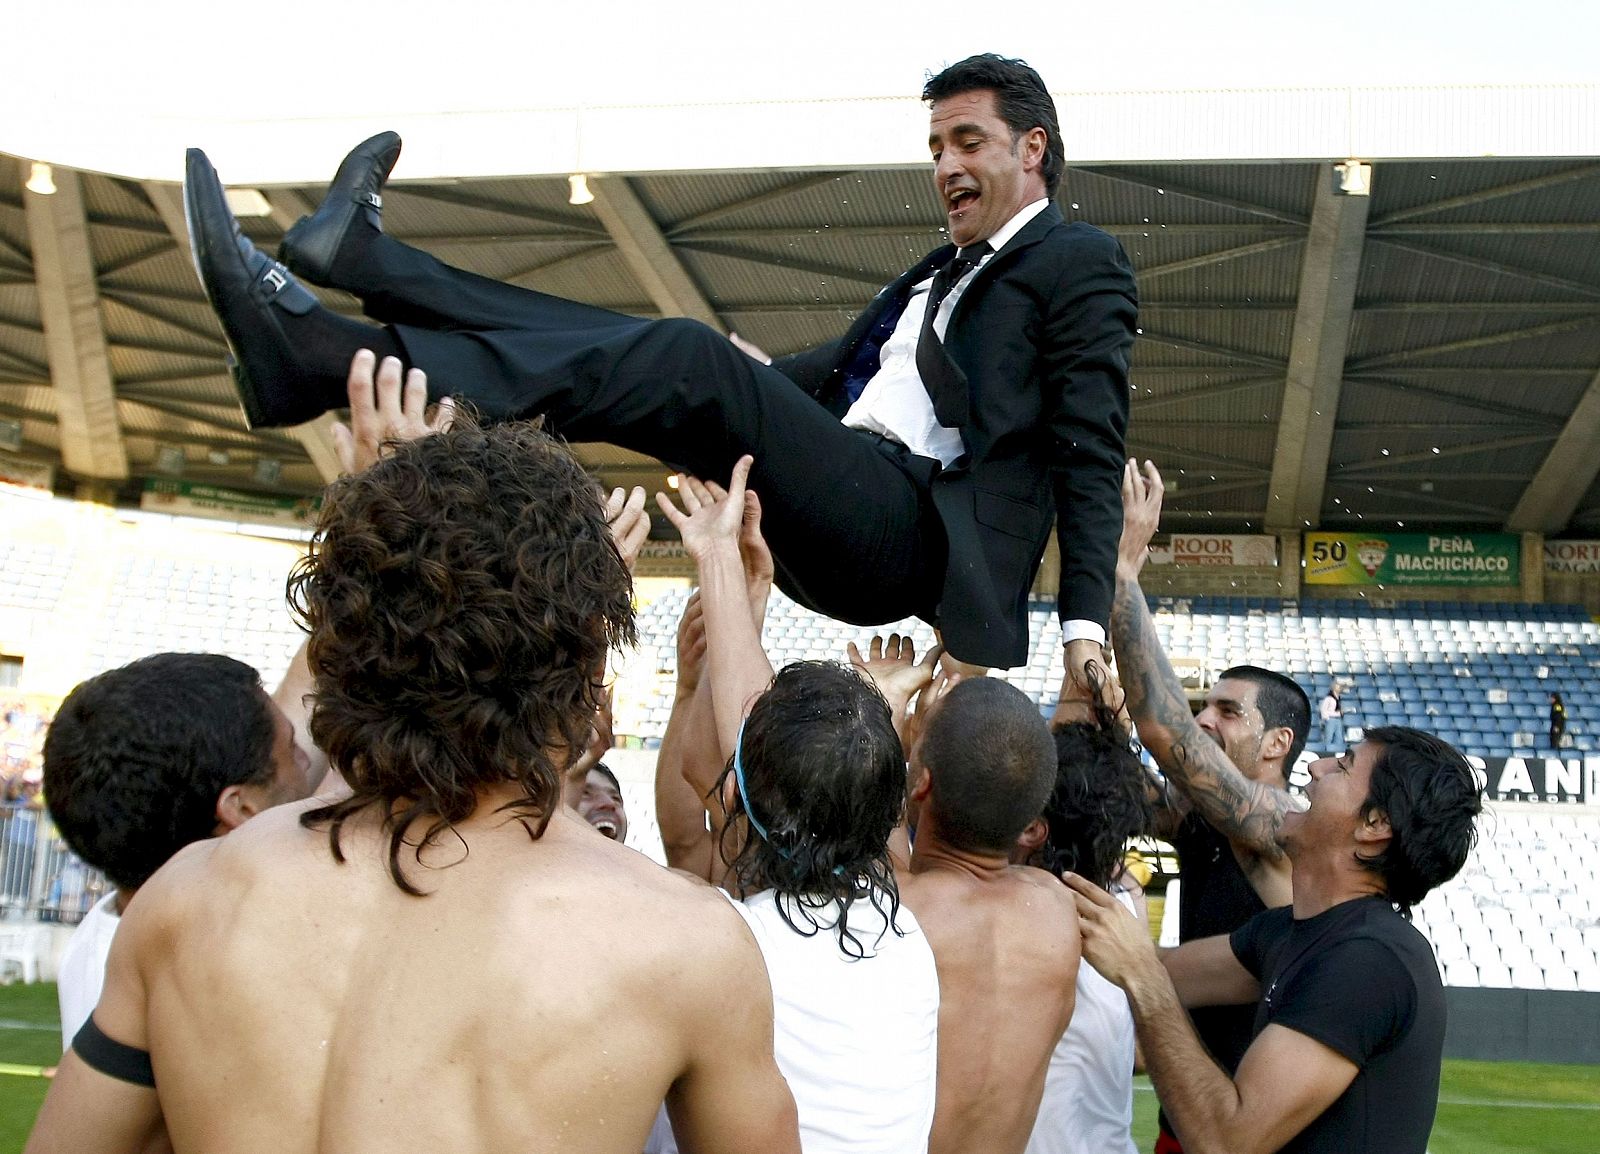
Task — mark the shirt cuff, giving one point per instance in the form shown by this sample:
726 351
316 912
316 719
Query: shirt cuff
1080 630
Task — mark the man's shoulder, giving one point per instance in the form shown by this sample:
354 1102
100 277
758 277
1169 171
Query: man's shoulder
1081 237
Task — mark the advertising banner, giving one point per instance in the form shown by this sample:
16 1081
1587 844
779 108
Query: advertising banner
183 499
1567 780
1413 559
1572 556
1254 551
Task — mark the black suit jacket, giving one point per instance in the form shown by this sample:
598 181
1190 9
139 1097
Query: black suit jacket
1038 347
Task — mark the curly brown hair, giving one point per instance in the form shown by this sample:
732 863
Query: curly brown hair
461 596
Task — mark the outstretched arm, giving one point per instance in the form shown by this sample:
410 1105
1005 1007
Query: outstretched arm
711 523
1246 812
680 810
1285 1080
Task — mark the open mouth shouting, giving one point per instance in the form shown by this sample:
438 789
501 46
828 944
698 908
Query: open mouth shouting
958 201
607 825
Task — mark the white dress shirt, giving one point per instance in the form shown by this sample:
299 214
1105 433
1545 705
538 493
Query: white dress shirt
896 404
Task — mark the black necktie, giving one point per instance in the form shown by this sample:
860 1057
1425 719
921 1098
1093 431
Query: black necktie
936 369
965 260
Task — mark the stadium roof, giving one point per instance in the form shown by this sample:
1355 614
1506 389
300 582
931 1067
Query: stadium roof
1428 354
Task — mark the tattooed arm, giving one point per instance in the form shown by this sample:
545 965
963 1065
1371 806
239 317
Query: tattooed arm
1247 812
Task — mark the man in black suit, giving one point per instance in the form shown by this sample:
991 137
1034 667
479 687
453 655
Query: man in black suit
910 467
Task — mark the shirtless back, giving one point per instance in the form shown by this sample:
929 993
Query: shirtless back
1005 938
540 992
1006 947
505 1011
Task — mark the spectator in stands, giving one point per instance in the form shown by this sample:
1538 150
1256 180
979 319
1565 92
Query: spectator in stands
982 766
449 914
145 759
1098 803
1255 722
1332 714
1558 721
813 787
1350 1010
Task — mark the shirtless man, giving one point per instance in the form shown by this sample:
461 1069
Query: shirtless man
423 965
1004 937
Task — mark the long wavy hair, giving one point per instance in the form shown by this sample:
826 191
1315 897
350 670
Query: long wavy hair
827 779
1098 803
461 596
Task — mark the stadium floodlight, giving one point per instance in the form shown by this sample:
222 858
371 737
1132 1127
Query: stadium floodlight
170 459
247 202
579 185
41 179
11 435
1354 178
268 470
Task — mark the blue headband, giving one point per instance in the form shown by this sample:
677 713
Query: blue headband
744 792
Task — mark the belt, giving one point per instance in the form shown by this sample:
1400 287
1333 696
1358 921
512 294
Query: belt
922 469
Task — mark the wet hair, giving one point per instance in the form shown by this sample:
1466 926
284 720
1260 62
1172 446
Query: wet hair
136 757
1021 99
1100 800
1282 703
992 764
1432 798
827 781
604 770
461 595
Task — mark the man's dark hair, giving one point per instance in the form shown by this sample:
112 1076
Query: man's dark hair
1100 800
992 763
604 770
1282 703
1020 97
827 778
1432 799
136 757
461 595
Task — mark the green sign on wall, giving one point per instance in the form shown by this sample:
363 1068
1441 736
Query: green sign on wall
1413 559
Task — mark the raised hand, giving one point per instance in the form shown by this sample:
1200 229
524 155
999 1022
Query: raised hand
1088 688
711 515
893 667
1115 941
1141 513
759 571
630 524
383 410
932 693
691 645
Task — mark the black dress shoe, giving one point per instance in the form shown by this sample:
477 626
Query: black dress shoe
354 201
282 380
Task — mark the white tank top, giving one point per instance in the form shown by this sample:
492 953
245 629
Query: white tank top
1088 1089
857 1039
